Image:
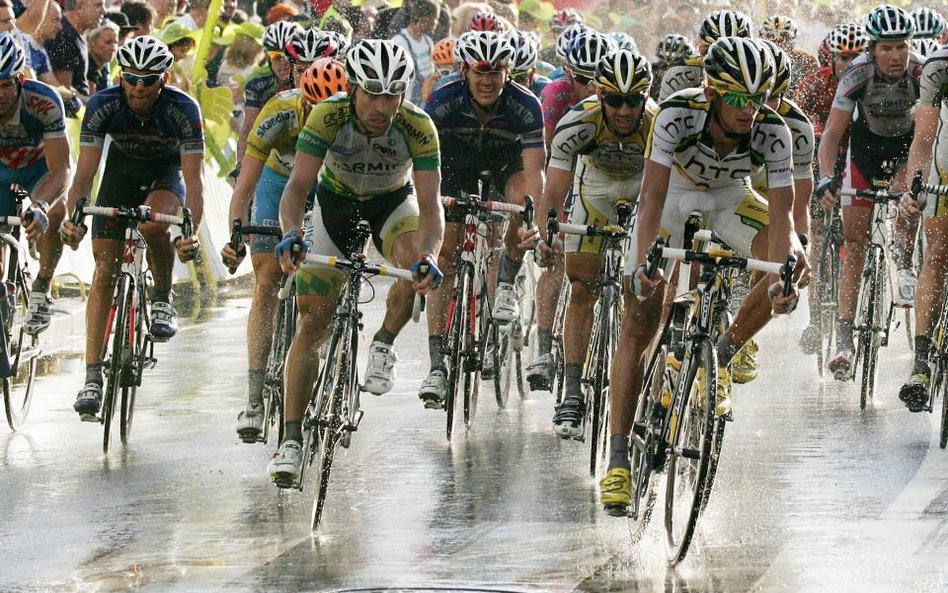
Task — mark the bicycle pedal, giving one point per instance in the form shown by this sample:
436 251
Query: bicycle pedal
89 418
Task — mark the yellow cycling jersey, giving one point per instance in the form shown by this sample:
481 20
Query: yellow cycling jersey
274 135
362 167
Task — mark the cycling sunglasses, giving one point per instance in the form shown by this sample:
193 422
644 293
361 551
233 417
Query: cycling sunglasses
375 87
489 67
147 80
741 100
616 101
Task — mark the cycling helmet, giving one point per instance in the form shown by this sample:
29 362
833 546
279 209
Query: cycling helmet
279 34
462 40
342 43
928 23
12 59
308 45
380 66
443 52
724 23
889 23
324 78
585 51
623 72
739 65
623 41
673 49
848 39
485 21
566 37
782 67
145 53
778 27
487 48
525 50
564 18
925 47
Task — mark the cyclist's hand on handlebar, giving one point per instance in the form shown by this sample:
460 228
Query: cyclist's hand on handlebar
427 275
187 248
37 227
827 187
912 207
529 237
233 258
802 271
72 234
290 251
548 255
642 285
827 202
781 303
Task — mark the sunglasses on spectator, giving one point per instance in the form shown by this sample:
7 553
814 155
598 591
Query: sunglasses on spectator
374 87
146 80
616 101
276 55
741 100
489 67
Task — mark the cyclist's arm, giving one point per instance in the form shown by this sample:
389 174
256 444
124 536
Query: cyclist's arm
250 119
533 159
250 170
836 125
54 184
781 233
802 190
557 186
920 153
192 169
651 203
293 201
430 212
89 157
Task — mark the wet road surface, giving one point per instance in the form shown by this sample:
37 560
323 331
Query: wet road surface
811 495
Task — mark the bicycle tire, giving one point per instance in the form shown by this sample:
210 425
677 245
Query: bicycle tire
826 308
504 359
869 334
135 364
690 438
454 345
557 347
646 448
273 387
601 346
23 352
479 321
113 377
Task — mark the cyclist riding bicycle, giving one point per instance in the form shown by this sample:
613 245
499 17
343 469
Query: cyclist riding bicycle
704 146
672 50
881 87
598 148
266 168
156 158
488 115
931 139
523 66
364 149
782 31
34 153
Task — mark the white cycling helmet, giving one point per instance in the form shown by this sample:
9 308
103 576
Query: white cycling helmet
279 34
487 48
586 50
525 50
12 60
566 37
145 53
380 67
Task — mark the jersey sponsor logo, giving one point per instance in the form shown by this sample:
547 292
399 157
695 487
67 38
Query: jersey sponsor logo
40 104
420 136
17 158
775 144
579 138
369 168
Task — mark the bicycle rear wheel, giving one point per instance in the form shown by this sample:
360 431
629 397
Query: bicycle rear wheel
23 352
118 357
691 436
456 337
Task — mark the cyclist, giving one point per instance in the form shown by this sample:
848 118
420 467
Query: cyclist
560 22
690 74
930 140
266 169
597 148
442 56
782 30
673 50
364 148
726 135
929 24
882 88
523 66
34 153
488 115
156 158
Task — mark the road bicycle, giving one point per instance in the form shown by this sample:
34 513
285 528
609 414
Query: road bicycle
131 349
607 323
675 426
284 327
19 351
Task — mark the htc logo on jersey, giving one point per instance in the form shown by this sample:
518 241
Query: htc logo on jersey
712 171
580 137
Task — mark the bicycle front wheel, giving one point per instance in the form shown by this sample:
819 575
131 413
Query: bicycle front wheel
137 345
23 352
456 336
283 332
478 322
504 360
117 358
598 380
872 315
691 438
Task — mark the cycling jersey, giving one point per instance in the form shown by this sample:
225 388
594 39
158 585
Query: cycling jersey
445 80
680 141
934 93
172 129
40 116
886 109
801 131
261 86
682 76
274 134
360 167
557 98
539 83
801 64
814 95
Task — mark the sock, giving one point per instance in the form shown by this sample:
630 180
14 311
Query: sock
574 375
544 341
619 451
508 269
41 284
163 296
844 334
293 431
255 379
435 352
726 349
94 373
384 336
923 345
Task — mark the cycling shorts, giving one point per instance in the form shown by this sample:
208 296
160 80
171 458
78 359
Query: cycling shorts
329 231
128 181
27 177
735 212
937 205
865 162
595 204
265 210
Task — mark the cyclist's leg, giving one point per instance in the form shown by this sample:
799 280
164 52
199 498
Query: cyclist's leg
50 248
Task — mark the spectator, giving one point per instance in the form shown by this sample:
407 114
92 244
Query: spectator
164 9
68 52
338 24
103 43
37 59
393 20
182 43
123 24
7 18
241 57
228 8
197 16
281 12
416 38
140 15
